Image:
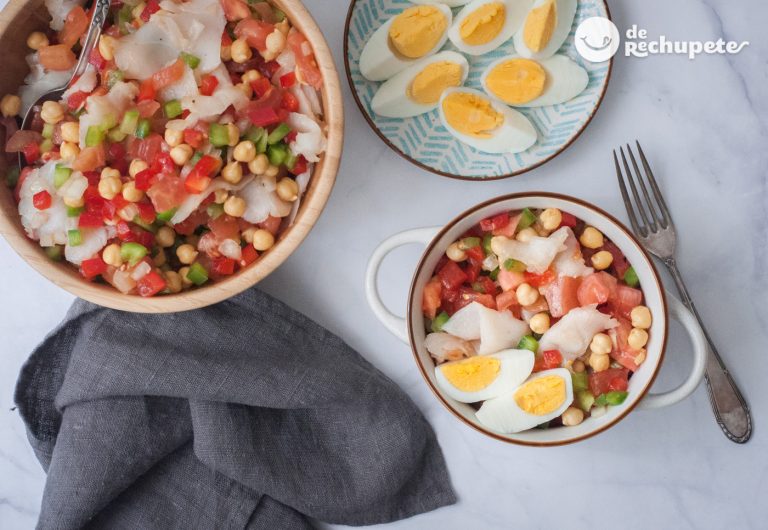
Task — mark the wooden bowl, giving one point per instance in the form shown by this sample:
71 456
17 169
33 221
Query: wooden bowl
21 17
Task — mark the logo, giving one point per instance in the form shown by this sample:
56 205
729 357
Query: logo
597 39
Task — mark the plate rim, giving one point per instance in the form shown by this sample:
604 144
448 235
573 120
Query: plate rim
393 147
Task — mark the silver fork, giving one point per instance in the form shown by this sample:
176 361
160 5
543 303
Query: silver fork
657 233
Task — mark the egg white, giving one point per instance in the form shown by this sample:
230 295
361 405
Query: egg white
515 135
565 80
449 3
392 101
516 366
566 12
379 61
516 11
502 414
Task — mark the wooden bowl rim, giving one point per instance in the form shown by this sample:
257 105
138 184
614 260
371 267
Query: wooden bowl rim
314 201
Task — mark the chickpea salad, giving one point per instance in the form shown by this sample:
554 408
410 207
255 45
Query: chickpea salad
537 319
183 150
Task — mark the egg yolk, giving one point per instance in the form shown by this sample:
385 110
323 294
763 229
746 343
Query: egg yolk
417 30
541 396
471 114
483 24
539 26
472 374
517 81
430 83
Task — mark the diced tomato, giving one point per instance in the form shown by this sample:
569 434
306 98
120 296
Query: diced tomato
146 149
91 268
254 32
288 80
497 222
510 228
510 280
162 163
610 380
151 7
622 352
57 57
467 296
90 159
430 301
147 107
169 75
309 72
269 68
112 207
74 26
263 117
561 295
627 298
31 152
151 284
249 256
597 288
235 9
486 285
548 360
271 224
620 263
199 178
506 300
568 220
77 100
225 227
190 224
146 212
223 266
208 84
42 200
539 280
147 91
194 138
451 276
90 220
290 102
301 166
96 59
143 179
261 86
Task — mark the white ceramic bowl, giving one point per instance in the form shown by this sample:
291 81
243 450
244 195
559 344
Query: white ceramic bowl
662 305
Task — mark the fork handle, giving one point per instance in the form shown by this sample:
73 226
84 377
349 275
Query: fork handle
100 14
730 408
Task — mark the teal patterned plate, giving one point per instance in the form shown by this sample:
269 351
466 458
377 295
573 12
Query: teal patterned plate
425 142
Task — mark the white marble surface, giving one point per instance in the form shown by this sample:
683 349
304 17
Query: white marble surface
704 123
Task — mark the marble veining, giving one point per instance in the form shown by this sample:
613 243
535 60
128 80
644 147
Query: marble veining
704 125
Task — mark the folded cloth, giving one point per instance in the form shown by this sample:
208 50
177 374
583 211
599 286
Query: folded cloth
245 414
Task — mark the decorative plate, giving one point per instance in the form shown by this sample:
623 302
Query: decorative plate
425 142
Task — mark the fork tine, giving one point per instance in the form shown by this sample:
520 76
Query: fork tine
631 179
625 196
666 216
648 202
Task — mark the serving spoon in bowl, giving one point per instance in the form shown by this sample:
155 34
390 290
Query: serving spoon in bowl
100 13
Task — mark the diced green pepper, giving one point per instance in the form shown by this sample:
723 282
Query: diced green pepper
74 237
74 211
580 381
630 277
172 109
46 146
197 274
584 400
215 210
494 275
94 137
254 134
440 321
469 242
513 265
290 160
166 215
130 121
528 343
143 129
133 252
114 77
261 145
149 227
279 15
543 426
611 398
54 253
109 121
191 60
218 135
48 131
487 244
526 219
277 154
280 132
123 18
195 158
12 176
116 135
60 175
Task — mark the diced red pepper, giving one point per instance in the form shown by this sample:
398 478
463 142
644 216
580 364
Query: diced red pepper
143 179
90 220
300 166
147 91
147 212
169 75
452 276
193 137
223 266
548 360
261 86
76 100
290 102
540 280
288 80
568 220
31 152
199 178
152 7
249 256
42 200
151 284
208 84
91 268
263 117
163 163
497 222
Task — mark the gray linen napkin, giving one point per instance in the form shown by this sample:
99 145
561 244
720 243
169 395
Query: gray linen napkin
241 415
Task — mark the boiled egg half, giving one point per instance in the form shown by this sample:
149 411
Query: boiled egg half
545 29
484 25
543 397
484 376
483 123
523 82
417 32
418 88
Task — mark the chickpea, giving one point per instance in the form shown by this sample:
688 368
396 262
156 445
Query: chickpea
107 47
109 172
246 89
160 258
173 281
240 51
247 234
263 240
235 206
136 167
185 281
250 76
181 154
599 362
232 172
455 253
226 53
128 213
578 366
74 203
131 193
272 171
539 323
637 339
234 134
526 234
220 196
37 40
52 112
112 256
572 416
592 238
10 105
602 260
165 237
110 187
245 151
640 357
186 254
601 344
551 218
526 295
174 137
70 131
275 44
259 165
641 317
287 189
69 150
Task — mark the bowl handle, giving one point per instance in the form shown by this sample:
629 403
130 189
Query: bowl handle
685 317
395 324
